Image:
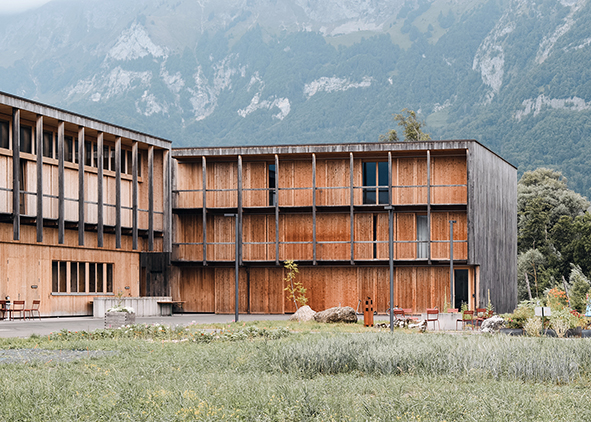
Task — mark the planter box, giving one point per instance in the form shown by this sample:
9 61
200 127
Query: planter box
143 306
118 319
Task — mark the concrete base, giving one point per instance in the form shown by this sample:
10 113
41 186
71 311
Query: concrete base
143 306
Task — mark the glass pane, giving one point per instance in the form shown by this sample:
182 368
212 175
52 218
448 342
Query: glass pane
384 197
73 277
63 273
82 280
271 184
99 278
92 277
87 153
26 139
422 237
48 144
76 150
54 277
123 153
68 142
129 162
369 179
106 158
383 173
4 143
109 278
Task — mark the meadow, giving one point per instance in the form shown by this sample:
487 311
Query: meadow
281 371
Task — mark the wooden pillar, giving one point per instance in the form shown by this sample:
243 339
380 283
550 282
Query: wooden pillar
134 193
239 216
151 198
39 139
61 183
16 167
118 193
99 189
389 178
314 209
204 181
351 209
276 209
81 197
429 205
166 203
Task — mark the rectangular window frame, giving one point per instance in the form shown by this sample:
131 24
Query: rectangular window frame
81 278
375 182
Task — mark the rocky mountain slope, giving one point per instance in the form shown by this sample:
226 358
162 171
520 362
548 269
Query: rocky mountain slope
513 74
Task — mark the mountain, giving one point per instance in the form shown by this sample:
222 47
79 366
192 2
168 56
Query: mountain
513 74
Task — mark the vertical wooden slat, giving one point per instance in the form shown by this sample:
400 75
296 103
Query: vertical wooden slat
314 209
166 204
429 205
239 203
389 178
81 196
276 209
61 183
99 186
39 139
351 204
151 198
134 202
118 193
16 166
204 173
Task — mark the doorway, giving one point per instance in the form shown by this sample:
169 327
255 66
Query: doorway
461 288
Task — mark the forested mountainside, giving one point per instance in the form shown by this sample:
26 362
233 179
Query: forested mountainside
513 74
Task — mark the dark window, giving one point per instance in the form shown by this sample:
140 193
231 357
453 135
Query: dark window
272 193
48 144
109 278
92 277
27 139
87 154
113 160
129 162
74 277
106 158
54 276
139 164
63 276
68 144
99 278
460 288
94 157
4 143
82 280
375 175
76 149
422 237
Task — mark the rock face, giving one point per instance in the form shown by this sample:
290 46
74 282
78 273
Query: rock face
337 314
492 324
304 314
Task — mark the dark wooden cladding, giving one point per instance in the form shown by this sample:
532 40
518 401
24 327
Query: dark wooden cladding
39 143
81 196
100 190
16 182
61 182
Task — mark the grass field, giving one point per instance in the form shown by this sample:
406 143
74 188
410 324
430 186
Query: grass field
265 372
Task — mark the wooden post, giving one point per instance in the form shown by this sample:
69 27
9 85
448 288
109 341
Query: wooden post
390 178
239 216
16 167
429 206
61 225
166 204
118 193
151 198
351 209
134 193
99 187
313 209
81 196
39 139
276 209
204 206
451 263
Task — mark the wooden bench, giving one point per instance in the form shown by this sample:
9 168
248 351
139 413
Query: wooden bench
168 304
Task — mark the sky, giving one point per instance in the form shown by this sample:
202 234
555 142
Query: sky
16 6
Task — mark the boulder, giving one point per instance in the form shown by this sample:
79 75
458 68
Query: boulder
492 324
303 314
337 314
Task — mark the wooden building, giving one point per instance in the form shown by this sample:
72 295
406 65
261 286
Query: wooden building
84 209
327 208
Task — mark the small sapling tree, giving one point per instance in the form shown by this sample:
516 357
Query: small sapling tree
295 290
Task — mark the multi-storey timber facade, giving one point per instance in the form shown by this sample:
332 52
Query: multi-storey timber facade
84 208
327 207
91 209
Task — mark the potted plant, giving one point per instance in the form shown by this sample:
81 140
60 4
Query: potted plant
119 315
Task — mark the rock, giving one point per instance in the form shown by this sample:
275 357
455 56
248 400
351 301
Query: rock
492 324
304 314
421 326
337 314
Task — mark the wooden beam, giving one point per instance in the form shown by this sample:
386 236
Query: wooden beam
389 178
204 207
16 167
61 225
276 209
429 205
313 209
166 203
351 205
81 197
99 185
239 203
118 193
134 193
39 139
151 198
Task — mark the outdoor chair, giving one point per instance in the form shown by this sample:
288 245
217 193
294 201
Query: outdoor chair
3 310
480 315
17 307
398 313
433 316
467 318
34 308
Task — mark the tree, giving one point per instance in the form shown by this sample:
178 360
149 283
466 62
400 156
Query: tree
412 128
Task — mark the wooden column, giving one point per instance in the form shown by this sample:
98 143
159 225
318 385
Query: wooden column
16 167
151 198
276 209
166 203
61 186
351 209
429 204
118 193
389 178
81 197
39 139
99 188
239 203
204 181
313 209
134 193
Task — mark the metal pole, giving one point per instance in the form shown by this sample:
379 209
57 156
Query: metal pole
391 259
451 263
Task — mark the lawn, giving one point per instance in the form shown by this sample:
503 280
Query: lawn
281 371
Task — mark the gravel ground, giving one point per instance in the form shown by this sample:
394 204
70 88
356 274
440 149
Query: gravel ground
46 356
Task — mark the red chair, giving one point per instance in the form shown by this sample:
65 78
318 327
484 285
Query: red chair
467 318
3 310
398 313
433 316
34 308
481 315
17 307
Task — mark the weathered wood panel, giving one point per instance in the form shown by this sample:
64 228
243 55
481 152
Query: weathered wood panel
449 171
440 232
224 230
409 172
382 234
295 228
295 174
406 287
406 231
189 176
195 286
363 232
225 282
266 290
6 183
223 176
255 230
333 227
254 176
333 173
189 229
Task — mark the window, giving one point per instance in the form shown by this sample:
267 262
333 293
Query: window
48 144
26 139
106 161
129 162
4 143
272 193
123 161
87 153
422 237
113 161
375 175
68 144
74 277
